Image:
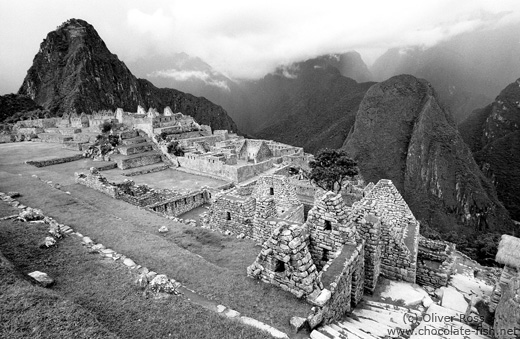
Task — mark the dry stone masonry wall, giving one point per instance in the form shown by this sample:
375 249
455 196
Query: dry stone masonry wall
434 262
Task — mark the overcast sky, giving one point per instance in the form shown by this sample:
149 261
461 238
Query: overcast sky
243 39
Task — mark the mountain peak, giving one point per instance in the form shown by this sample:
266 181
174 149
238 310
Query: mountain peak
74 71
403 133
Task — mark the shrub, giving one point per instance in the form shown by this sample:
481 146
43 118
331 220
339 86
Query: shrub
105 127
175 149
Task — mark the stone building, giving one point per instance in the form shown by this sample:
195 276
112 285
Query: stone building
506 295
508 254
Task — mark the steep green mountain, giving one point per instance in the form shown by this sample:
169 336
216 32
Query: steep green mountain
403 133
75 72
493 134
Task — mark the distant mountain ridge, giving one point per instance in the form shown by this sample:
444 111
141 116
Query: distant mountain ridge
493 134
75 72
310 103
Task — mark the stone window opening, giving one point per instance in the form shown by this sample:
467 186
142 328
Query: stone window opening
279 266
271 190
228 215
325 255
328 225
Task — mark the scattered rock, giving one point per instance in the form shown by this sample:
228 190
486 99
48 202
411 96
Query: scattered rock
150 275
13 194
322 299
163 229
30 214
142 281
297 323
427 301
48 242
42 278
161 283
231 313
241 236
129 262
98 247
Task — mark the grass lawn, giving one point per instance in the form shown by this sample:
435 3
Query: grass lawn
211 264
93 297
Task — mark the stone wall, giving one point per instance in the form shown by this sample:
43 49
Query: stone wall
279 188
54 161
265 220
161 201
507 314
434 262
231 213
248 171
399 230
508 273
329 228
343 286
369 228
97 182
285 261
182 204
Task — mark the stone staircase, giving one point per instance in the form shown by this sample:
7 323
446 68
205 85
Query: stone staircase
370 320
136 151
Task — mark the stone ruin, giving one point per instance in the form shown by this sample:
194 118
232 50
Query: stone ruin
162 201
337 252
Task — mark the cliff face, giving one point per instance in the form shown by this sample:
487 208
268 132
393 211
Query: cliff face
75 71
402 133
493 134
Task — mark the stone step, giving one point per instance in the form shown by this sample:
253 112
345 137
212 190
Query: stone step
54 138
136 160
146 169
85 137
135 148
129 134
131 141
74 145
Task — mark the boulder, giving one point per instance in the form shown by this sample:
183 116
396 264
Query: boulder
42 278
297 323
161 284
163 229
48 242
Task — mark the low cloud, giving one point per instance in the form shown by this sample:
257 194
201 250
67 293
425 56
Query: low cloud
179 75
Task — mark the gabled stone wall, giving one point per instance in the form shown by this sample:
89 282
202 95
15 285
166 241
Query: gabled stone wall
329 228
231 213
279 188
399 231
285 261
